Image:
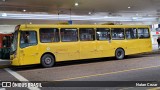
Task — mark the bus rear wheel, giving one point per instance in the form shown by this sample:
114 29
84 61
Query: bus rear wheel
119 54
47 60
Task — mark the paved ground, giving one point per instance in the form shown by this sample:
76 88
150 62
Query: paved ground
133 68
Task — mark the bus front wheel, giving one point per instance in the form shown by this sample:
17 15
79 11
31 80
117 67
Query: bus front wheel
119 54
47 60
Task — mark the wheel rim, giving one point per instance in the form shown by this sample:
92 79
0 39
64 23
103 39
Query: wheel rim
48 60
119 53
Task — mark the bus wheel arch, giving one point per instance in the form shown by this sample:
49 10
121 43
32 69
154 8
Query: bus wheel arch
47 60
119 53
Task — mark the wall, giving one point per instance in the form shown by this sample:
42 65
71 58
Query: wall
155 35
7 28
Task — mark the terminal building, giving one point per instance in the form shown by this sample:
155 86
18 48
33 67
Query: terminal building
81 44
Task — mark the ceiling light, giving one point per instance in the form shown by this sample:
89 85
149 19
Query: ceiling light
74 17
24 10
76 4
4 14
89 13
129 7
3 0
134 18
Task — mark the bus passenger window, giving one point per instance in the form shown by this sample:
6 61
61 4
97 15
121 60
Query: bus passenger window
87 34
28 38
69 34
131 33
103 34
143 33
117 33
48 35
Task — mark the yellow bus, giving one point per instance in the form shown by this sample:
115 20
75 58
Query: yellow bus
47 44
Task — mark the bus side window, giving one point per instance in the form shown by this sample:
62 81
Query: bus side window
131 33
117 33
87 34
28 38
48 35
143 33
103 34
69 34
24 37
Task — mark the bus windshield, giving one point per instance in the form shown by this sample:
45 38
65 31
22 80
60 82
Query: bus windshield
14 43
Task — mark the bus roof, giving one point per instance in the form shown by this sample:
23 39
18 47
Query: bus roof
23 26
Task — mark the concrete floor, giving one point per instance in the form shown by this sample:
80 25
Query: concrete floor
144 67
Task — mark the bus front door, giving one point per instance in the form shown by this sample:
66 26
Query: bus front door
29 48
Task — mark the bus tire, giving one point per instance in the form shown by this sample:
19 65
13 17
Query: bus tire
119 54
47 60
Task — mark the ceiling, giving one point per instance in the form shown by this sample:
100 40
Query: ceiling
88 11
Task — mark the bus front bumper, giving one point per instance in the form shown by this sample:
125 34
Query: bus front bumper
4 62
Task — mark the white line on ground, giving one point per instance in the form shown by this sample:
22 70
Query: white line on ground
20 78
2 89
